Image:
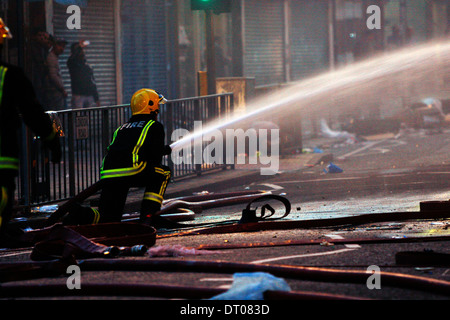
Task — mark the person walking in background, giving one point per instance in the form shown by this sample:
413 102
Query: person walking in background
55 93
84 88
40 46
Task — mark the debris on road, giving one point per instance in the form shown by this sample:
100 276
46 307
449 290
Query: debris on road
251 286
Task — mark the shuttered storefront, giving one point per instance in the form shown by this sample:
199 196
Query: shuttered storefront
309 38
264 41
97 26
143 46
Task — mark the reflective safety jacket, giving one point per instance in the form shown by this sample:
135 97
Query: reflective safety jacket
136 145
18 99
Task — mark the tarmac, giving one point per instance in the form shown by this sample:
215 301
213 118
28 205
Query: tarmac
325 249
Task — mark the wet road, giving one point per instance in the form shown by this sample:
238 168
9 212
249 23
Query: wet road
386 176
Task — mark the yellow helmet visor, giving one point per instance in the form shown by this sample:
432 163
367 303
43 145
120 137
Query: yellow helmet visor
162 100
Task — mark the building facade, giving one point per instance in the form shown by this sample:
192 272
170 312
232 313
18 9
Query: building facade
162 43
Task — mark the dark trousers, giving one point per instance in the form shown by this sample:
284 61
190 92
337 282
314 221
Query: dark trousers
7 189
115 191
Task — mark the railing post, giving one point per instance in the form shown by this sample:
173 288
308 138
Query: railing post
73 173
222 112
230 109
169 124
231 104
105 129
70 139
197 117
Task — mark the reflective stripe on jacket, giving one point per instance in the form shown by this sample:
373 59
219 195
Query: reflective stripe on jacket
135 145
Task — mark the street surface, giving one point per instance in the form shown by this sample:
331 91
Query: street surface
390 174
386 175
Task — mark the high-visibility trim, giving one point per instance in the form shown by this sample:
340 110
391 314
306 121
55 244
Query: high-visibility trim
153 197
141 142
137 166
161 171
96 216
3 203
164 184
114 138
9 163
115 135
123 172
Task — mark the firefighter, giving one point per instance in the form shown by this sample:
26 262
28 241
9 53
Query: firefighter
133 159
17 97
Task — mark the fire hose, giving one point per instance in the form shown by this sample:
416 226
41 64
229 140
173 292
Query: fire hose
248 214
315 223
304 273
291 272
199 203
229 246
150 290
301 273
103 240
195 203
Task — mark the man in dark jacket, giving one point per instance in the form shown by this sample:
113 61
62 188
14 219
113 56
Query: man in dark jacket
133 159
17 97
84 88
55 93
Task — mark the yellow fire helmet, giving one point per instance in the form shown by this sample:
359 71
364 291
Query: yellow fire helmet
146 101
4 32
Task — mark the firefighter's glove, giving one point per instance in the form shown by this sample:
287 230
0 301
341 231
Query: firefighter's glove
167 150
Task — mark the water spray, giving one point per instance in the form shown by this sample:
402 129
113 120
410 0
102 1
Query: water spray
411 67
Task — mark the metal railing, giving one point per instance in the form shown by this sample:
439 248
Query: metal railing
87 134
